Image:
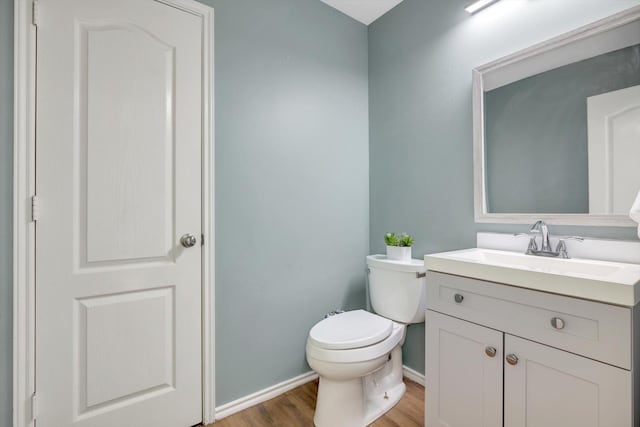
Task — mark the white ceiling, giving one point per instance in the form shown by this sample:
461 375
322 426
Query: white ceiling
365 11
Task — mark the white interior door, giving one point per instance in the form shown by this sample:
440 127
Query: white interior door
550 387
614 150
119 142
464 377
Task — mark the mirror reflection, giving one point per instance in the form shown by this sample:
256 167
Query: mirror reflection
566 140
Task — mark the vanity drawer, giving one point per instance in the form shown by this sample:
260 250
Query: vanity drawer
595 330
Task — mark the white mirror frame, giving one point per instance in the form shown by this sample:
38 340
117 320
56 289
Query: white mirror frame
582 43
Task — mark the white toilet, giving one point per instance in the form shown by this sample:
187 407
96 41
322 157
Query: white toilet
358 355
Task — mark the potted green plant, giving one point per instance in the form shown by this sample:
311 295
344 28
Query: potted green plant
398 247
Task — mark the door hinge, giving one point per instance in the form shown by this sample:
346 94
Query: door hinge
34 406
34 13
35 208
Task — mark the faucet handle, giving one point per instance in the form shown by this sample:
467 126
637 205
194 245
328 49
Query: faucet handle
578 238
533 246
561 249
537 227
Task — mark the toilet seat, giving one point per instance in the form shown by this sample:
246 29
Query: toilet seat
361 354
350 330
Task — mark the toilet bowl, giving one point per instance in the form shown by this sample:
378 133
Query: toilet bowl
344 398
358 354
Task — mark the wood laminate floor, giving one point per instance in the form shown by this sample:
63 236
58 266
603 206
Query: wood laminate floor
295 408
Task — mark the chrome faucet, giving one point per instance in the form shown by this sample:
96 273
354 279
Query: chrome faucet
541 228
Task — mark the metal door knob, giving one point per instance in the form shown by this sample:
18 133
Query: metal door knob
557 323
512 359
188 240
490 351
458 298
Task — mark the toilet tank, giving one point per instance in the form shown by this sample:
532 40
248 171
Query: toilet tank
397 288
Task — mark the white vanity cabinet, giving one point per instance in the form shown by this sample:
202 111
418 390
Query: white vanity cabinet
551 387
499 355
464 371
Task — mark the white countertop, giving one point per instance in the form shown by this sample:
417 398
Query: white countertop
603 281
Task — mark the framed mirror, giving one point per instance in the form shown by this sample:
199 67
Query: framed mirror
557 128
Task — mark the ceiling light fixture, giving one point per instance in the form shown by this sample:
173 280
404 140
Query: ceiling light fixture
479 5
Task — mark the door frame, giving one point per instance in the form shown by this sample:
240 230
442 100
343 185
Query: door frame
25 29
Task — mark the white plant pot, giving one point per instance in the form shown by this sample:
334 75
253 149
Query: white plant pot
399 253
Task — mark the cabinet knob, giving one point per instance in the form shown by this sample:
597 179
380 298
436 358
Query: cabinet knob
512 359
490 351
458 298
557 323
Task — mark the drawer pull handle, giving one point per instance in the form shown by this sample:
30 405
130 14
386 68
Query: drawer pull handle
458 298
490 351
512 359
557 323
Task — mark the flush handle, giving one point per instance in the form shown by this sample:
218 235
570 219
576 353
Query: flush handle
557 323
458 298
490 351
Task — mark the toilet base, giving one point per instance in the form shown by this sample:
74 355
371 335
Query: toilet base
339 403
384 388
360 401
379 407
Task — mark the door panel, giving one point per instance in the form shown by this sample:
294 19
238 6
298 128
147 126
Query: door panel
552 387
464 383
119 140
126 84
116 338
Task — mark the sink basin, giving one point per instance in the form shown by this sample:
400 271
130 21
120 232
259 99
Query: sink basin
604 281
583 268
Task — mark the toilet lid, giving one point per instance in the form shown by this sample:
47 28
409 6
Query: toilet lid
352 329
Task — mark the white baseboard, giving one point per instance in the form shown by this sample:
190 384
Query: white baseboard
260 396
413 375
268 393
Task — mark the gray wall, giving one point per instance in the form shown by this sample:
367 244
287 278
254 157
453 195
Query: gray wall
420 59
292 190
6 183
542 149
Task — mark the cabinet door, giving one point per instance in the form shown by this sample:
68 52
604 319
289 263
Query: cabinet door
550 387
464 376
